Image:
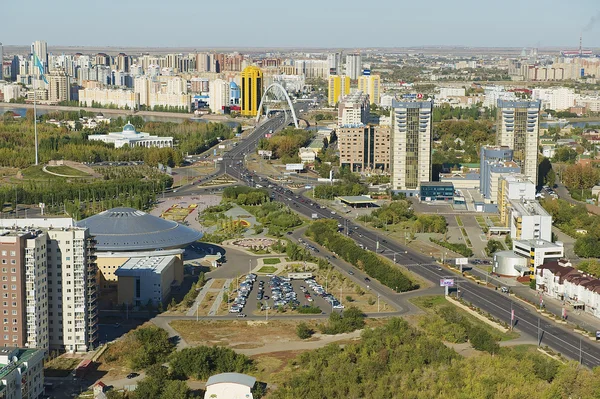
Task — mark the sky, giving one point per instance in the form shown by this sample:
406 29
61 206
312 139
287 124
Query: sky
308 23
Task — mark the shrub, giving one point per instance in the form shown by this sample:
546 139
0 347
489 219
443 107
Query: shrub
303 331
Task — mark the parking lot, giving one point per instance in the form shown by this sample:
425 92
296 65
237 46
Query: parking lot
257 293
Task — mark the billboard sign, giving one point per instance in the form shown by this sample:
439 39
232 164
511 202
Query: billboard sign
366 72
409 96
294 166
265 153
446 282
462 261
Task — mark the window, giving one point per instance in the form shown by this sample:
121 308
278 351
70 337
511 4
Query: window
12 253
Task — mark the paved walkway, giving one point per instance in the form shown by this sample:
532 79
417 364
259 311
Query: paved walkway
194 308
323 340
217 303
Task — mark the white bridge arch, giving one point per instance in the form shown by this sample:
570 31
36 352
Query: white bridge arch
280 94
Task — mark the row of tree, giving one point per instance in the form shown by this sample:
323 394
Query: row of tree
325 233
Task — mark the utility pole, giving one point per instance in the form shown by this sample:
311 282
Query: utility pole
580 353
249 266
377 303
538 331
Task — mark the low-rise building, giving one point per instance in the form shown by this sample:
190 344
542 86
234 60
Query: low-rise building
21 373
147 280
529 220
513 187
307 155
436 191
538 252
129 136
230 386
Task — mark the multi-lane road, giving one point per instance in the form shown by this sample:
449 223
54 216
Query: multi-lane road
497 304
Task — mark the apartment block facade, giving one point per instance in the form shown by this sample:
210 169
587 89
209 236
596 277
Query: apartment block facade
518 129
411 144
364 148
49 285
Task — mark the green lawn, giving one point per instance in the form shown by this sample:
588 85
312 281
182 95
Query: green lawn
267 269
271 261
36 173
66 170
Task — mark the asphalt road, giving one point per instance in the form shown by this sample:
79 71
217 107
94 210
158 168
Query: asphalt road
495 303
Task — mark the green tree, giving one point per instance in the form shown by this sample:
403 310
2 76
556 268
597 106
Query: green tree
303 331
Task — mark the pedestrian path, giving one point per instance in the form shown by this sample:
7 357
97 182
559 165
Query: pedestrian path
194 308
217 303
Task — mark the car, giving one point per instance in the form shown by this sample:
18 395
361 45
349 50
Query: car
241 315
368 280
350 272
132 375
333 212
504 289
439 268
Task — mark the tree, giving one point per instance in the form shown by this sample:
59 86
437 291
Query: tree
175 389
303 331
493 246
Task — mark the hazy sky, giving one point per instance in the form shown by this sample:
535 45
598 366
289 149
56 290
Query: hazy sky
308 23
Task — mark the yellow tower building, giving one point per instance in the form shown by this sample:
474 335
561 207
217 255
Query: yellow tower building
339 86
370 84
251 90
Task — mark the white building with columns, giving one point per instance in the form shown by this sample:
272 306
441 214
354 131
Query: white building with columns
129 136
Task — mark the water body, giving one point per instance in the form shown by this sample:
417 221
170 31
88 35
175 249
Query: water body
146 118
546 125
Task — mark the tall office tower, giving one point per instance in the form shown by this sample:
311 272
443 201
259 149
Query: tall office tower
334 61
219 92
353 66
370 84
252 90
122 62
339 86
411 144
49 285
518 128
364 148
59 87
15 67
40 48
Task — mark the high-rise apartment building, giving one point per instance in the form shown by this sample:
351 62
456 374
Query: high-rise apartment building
370 84
122 62
40 48
21 373
518 129
334 61
49 270
364 148
58 86
353 66
354 110
339 86
252 90
219 91
411 144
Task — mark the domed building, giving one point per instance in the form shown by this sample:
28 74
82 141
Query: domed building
131 137
138 254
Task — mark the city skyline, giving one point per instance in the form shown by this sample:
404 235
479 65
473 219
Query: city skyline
400 25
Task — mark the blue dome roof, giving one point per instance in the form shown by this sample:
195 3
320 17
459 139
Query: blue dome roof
129 128
233 85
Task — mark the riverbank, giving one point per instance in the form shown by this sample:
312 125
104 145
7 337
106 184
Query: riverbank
149 115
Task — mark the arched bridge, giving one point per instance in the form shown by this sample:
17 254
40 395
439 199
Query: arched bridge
276 98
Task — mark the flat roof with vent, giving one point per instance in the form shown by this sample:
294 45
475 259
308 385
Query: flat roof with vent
138 266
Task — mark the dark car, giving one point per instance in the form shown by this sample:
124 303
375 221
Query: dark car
368 280
132 375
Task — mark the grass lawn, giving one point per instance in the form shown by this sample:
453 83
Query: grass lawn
36 173
60 367
66 170
271 261
433 304
267 269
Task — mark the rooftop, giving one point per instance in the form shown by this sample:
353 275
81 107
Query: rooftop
529 208
537 243
356 199
128 229
150 264
234 378
11 358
